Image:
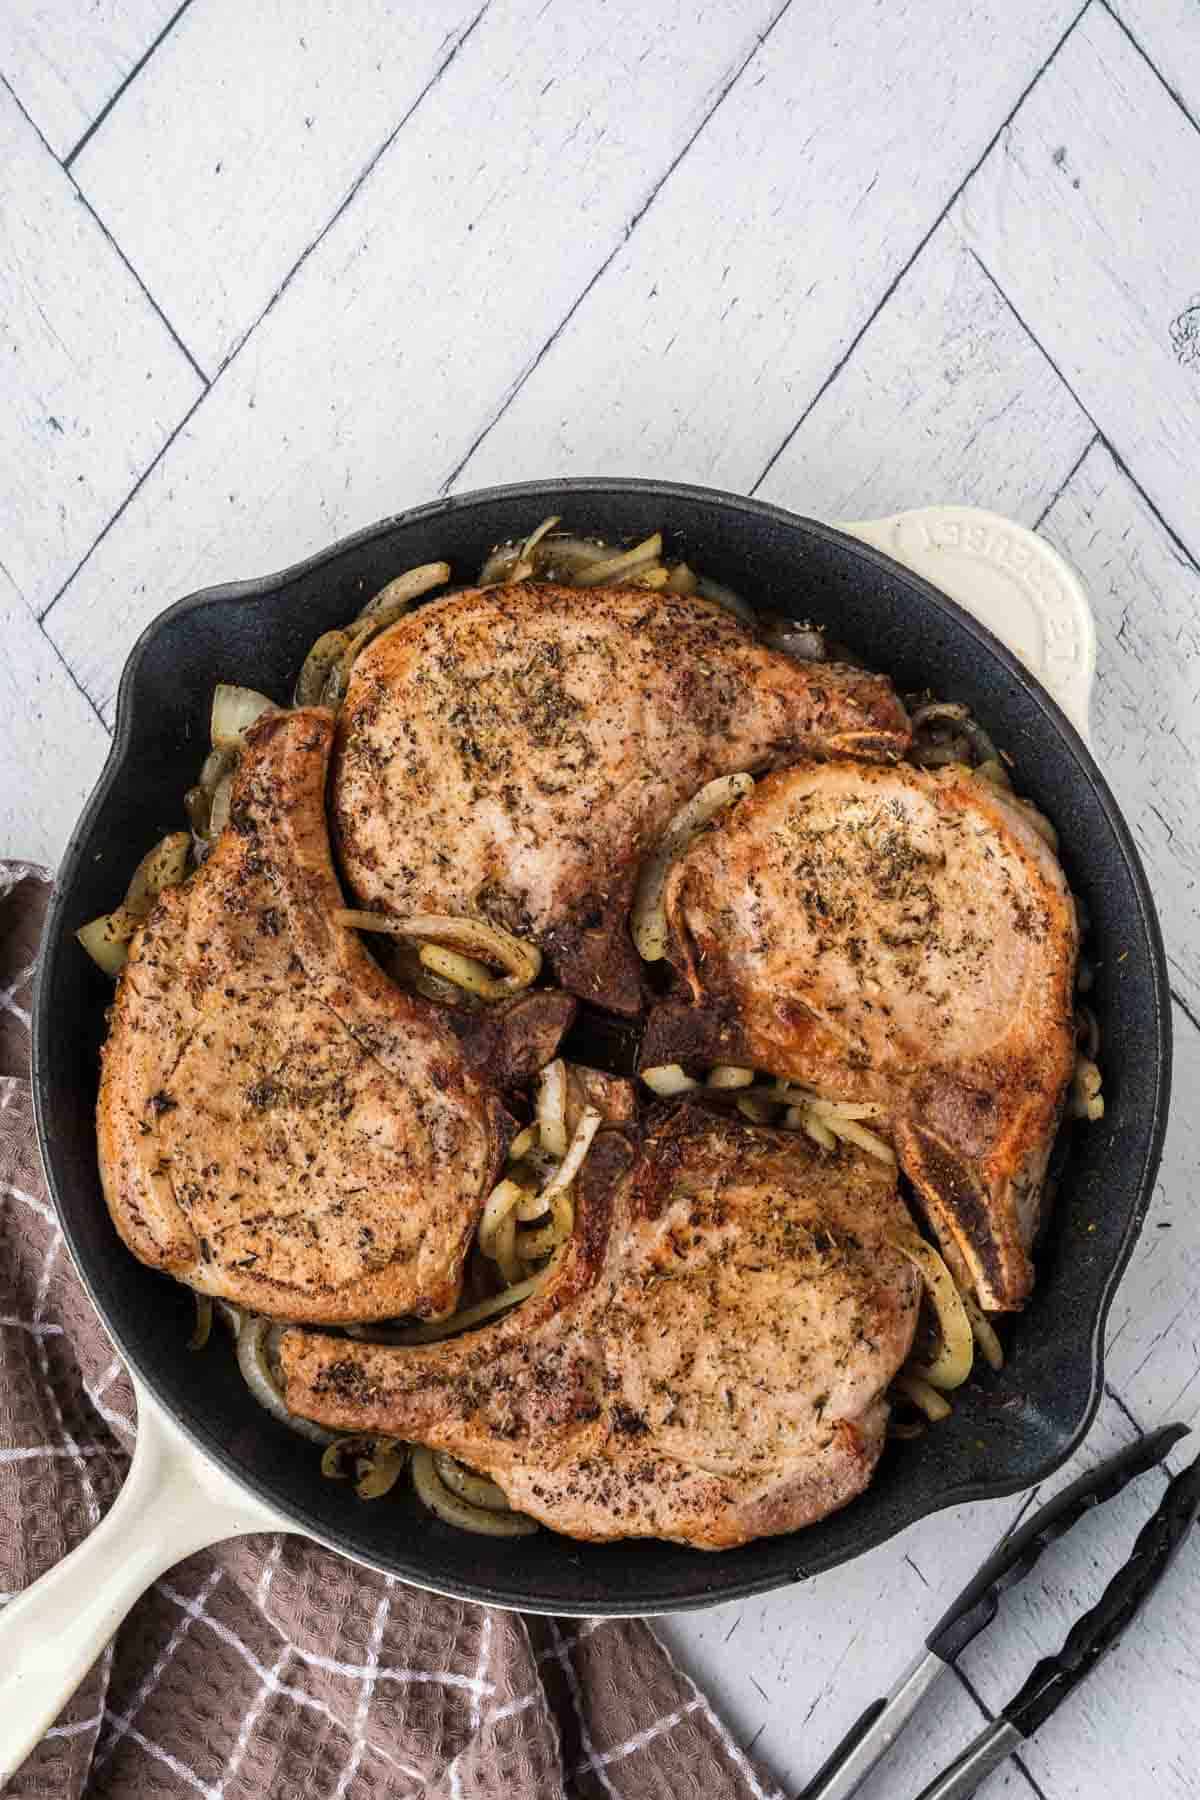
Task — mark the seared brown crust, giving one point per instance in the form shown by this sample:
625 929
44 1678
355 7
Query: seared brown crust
902 936
508 1043
707 1365
278 1123
512 753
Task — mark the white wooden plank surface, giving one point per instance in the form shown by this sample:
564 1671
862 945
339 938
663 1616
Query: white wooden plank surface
215 217
782 1662
1132 1727
1154 1328
92 381
389 351
938 403
1168 31
705 330
1146 712
773 243
1086 217
65 61
46 718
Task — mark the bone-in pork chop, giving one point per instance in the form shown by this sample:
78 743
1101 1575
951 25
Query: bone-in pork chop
706 1364
900 936
278 1123
513 752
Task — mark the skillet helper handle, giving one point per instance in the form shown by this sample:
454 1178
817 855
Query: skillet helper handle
1011 580
172 1503
1012 1560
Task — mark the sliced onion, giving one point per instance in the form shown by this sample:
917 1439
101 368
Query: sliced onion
669 1079
218 816
438 1498
163 867
940 712
234 710
725 596
555 1196
253 1350
402 590
468 937
952 1364
994 771
544 1240
321 660
202 1330
475 1489
648 920
197 803
846 1109
813 1126
500 1202
100 939
681 579
612 569
1087 1032
230 1316
107 938
589 1124
552 1107
564 557
472 1315
984 1333
923 1395
1086 1099
729 1075
216 764
854 1133
523 1143
534 539
377 1463
756 1108
905 1428
805 643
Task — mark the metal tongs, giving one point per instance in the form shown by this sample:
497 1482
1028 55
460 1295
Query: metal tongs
1054 1677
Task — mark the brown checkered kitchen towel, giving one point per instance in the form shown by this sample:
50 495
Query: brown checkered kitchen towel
269 1666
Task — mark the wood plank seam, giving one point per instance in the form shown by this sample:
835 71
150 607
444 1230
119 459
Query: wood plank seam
349 198
244 339
1071 473
1180 102
136 70
902 272
74 679
1018 1762
1184 549
760 39
1117 1401
1185 1009
130 496
110 240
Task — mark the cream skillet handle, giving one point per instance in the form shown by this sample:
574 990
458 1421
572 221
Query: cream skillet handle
1011 580
173 1502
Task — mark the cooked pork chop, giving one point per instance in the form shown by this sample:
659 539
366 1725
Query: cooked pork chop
278 1123
902 936
512 752
707 1363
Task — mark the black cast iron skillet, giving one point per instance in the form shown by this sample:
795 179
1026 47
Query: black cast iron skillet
1007 1430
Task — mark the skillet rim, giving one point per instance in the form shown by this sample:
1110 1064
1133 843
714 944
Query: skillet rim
508 1592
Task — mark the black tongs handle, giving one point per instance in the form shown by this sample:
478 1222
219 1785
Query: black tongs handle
1094 1635
977 1605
